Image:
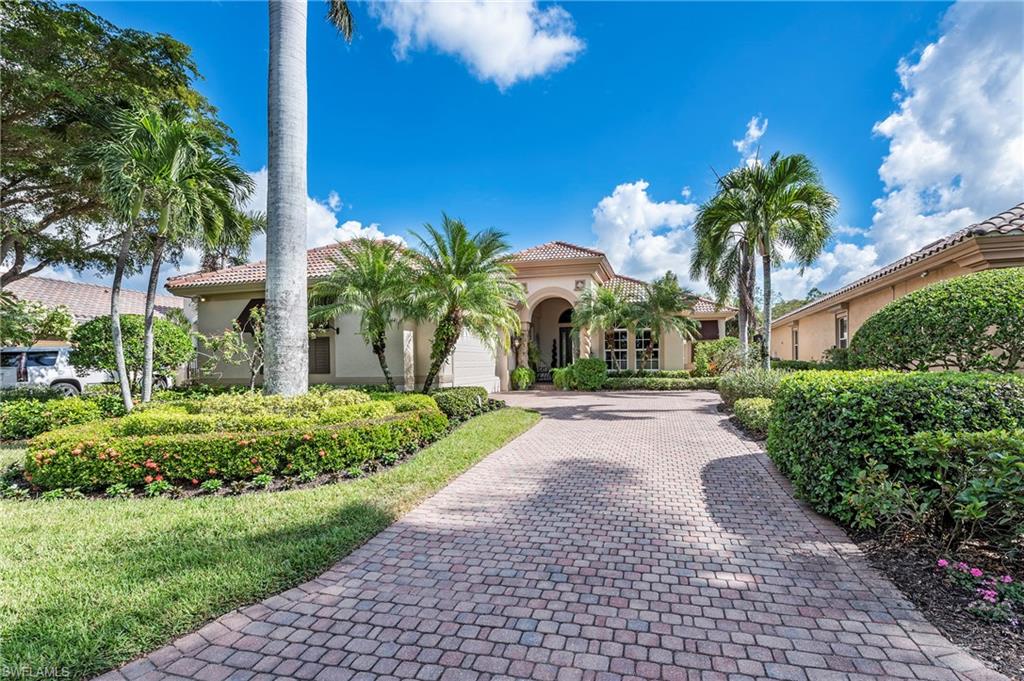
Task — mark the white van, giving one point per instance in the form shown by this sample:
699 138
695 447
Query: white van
43 366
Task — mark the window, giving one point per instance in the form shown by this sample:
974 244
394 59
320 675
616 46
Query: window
842 331
708 329
42 359
643 337
796 343
320 355
615 354
10 359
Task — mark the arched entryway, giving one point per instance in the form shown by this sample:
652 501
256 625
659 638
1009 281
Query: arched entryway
553 341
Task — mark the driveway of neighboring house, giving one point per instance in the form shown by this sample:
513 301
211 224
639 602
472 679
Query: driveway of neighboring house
627 535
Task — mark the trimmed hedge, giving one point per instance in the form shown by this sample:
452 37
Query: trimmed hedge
744 383
588 373
829 427
798 365
20 419
754 414
657 383
970 323
460 404
258 403
651 373
93 456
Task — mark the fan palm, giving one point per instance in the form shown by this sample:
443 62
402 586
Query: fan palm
601 309
662 310
374 279
464 282
287 368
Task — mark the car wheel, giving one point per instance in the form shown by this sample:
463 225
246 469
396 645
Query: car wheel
66 389
161 383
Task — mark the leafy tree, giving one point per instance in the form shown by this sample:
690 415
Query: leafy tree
662 309
601 309
26 322
93 347
374 279
233 347
464 282
287 358
65 72
782 307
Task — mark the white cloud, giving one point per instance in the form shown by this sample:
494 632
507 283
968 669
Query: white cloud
749 146
334 201
503 42
644 238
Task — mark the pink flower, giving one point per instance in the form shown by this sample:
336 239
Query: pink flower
988 595
976 572
943 563
962 567
1006 579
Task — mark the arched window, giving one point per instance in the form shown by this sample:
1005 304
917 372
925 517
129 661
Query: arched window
565 317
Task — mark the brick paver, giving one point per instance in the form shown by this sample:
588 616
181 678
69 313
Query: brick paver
626 536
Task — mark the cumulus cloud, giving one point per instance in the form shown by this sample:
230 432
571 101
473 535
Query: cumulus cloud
503 42
750 144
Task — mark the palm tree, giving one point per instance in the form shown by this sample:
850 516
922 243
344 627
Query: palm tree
234 243
372 278
601 308
287 367
161 161
464 282
662 309
777 206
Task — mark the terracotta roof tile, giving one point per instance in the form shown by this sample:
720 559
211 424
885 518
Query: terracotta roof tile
633 289
1007 222
86 301
555 250
318 264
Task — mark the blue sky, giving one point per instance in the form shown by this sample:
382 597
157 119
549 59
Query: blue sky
542 120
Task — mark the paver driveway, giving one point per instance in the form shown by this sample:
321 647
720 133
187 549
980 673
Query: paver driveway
627 535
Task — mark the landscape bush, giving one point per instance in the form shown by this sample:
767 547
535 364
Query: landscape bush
93 347
658 383
830 429
522 378
970 323
752 382
713 357
588 373
38 393
653 373
754 414
562 378
20 419
460 404
798 365
94 456
258 403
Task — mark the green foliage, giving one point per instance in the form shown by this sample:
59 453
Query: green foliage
588 373
713 357
831 431
562 378
158 488
241 344
26 418
837 358
798 365
38 393
970 323
654 373
662 309
94 349
752 382
522 378
462 403
212 485
754 414
25 322
406 401
258 403
119 491
659 383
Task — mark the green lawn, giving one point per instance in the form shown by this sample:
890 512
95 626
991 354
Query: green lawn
10 453
88 585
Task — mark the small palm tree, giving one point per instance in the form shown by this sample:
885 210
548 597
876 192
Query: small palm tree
464 282
662 310
603 309
234 243
374 279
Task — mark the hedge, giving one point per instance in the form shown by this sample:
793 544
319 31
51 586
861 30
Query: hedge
799 365
649 373
460 404
93 456
657 383
753 382
754 414
20 419
829 427
970 323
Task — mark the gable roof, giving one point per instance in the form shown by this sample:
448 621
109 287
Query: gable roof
318 264
1008 222
633 289
87 301
555 250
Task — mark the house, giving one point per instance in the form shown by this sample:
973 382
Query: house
809 331
553 276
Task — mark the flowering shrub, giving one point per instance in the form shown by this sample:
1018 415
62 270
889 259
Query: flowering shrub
713 357
996 597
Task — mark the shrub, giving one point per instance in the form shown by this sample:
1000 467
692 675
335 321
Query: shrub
829 428
970 323
26 418
754 382
94 349
588 373
658 383
94 456
754 414
713 357
40 394
653 373
461 403
562 378
522 378
406 401
258 403
797 365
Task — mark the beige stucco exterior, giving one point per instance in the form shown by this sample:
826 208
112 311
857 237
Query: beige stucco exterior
816 325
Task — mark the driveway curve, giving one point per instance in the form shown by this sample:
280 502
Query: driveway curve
626 536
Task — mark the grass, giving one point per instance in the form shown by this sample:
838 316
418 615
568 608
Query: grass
9 453
88 585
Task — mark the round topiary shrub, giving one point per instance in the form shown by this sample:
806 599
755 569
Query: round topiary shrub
970 323
589 373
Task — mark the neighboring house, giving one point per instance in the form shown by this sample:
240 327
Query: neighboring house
553 276
830 321
88 301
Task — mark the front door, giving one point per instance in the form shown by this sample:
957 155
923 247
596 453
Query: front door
565 346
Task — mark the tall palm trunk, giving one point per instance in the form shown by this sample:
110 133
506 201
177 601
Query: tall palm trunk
445 337
287 368
115 319
147 339
746 293
766 337
379 348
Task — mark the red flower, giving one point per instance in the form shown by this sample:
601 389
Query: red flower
159 477
195 481
148 478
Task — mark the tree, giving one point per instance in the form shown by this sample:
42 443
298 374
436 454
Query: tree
601 308
662 309
235 242
767 208
65 72
161 160
234 348
372 278
26 322
93 347
464 282
287 353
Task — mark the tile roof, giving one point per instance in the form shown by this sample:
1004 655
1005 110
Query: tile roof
86 301
319 264
1008 222
633 289
555 250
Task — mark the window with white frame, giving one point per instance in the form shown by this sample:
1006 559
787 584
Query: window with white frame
842 331
796 343
616 352
653 363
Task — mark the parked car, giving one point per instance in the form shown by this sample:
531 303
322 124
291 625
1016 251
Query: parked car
43 366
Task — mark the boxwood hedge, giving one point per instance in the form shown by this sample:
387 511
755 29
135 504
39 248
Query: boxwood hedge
829 427
659 383
754 414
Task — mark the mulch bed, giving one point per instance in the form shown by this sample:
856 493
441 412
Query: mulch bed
910 565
